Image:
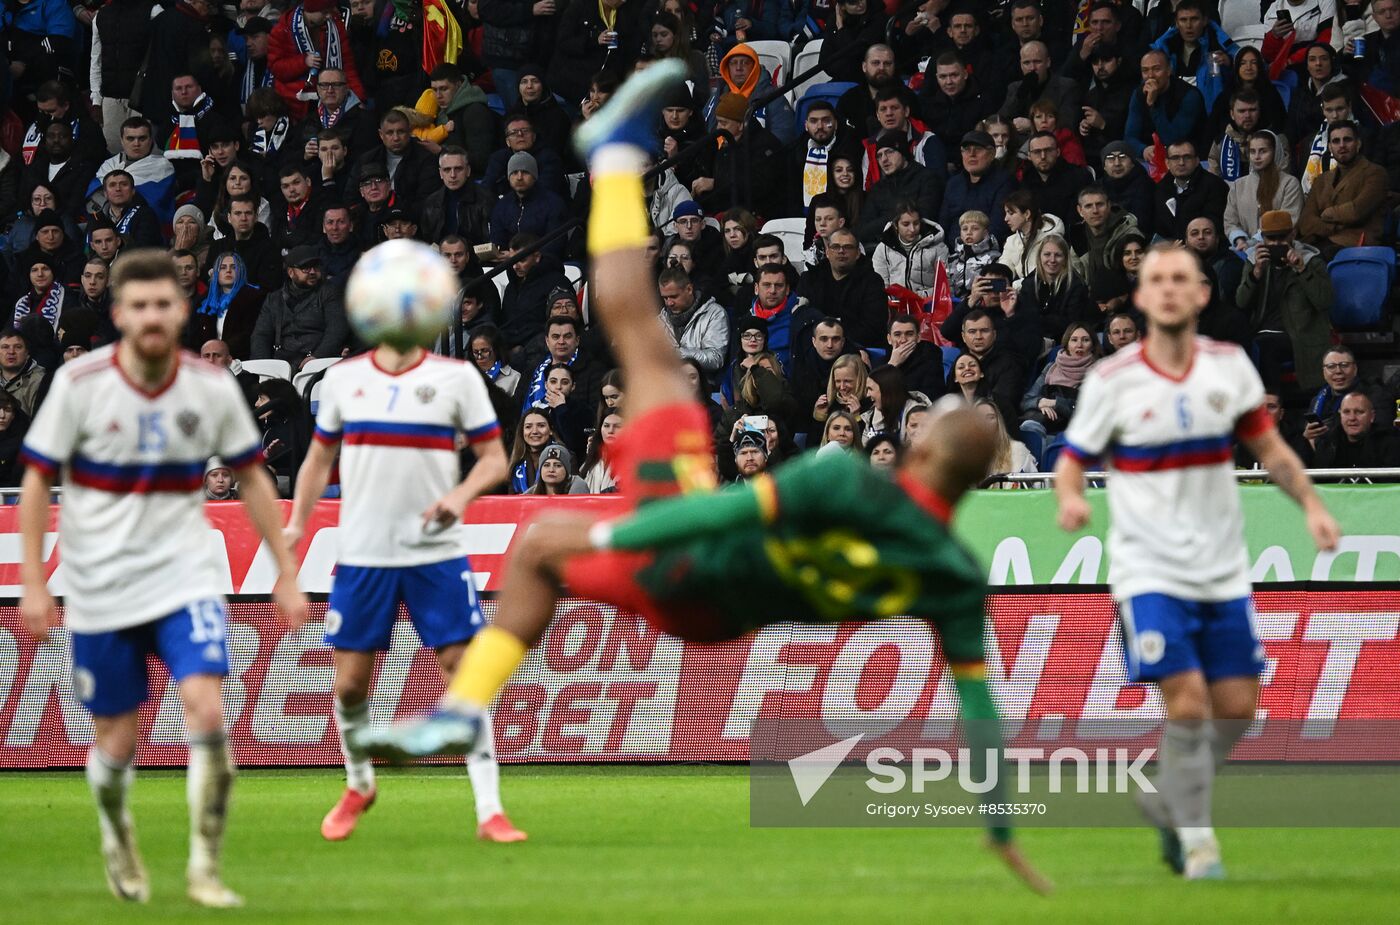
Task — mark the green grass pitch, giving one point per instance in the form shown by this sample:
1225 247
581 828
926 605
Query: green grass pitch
642 844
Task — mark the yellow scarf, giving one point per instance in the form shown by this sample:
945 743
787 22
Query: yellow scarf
609 17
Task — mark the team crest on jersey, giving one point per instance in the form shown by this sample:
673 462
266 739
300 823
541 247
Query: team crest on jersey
188 422
1217 401
425 393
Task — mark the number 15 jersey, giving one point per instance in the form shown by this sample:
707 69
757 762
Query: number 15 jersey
398 453
132 535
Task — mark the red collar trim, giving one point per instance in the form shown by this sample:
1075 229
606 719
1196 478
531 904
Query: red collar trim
374 360
1190 364
931 501
138 387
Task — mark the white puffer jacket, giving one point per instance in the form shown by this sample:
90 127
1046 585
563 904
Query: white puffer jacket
1020 256
913 266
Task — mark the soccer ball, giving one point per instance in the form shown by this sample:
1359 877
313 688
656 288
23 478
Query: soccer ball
401 293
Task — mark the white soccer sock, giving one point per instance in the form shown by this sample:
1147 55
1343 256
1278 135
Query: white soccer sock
485 773
109 781
1188 770
359 772
207 788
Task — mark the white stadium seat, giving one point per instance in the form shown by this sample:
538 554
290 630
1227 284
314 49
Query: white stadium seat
776 57
790 231
268 369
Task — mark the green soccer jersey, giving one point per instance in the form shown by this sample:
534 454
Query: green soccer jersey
823 539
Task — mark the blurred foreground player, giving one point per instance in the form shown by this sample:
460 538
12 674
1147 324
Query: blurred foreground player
134 425
830 537
1164 414
394 415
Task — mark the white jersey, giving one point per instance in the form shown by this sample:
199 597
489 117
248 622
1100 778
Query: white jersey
398 453
1176 526
133 539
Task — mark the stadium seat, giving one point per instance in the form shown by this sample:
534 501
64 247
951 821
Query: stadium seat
1238 14
268 369
1051 453
1361 281
806 60
1285 86
831 92
950 356
1253 36
496 104
310 371
791 232
776 57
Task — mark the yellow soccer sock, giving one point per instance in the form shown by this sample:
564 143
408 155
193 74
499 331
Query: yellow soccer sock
618 217
491 658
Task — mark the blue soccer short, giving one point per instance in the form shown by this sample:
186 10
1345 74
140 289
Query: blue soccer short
1164 635
440 597
109 669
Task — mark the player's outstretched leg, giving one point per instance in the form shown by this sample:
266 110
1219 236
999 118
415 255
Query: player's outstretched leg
110 779
616 143
209 783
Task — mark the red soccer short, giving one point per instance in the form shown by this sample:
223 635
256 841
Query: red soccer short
665 452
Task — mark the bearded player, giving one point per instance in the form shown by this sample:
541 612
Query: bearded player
829 537
1164 415
134 426
394 414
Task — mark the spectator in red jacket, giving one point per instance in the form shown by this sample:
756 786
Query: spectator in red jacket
305 40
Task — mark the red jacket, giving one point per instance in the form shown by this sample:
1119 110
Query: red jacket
289 70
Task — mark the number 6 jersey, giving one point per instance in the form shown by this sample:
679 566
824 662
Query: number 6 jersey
133 539
1176 526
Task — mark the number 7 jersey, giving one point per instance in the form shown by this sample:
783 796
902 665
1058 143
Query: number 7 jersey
1176 526
133 538
398 453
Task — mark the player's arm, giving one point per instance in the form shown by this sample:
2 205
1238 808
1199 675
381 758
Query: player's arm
312 479
1090 431
1286 470
491 469
37 605
259 497
1069 492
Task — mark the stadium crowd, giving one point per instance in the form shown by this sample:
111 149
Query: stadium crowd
960 207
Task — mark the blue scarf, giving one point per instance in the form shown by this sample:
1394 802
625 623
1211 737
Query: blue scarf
251 82
494 372
48 306
124 223
1231 160
216 303
519 479
536 393
333 58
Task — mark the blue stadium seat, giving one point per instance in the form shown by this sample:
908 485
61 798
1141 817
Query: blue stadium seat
1285 86
831 92
1050 454
498 105
950 356
1361 281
